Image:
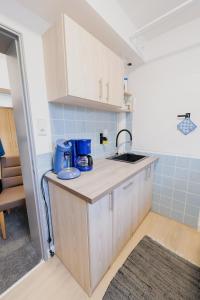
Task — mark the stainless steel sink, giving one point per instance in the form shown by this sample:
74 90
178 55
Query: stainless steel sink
128 157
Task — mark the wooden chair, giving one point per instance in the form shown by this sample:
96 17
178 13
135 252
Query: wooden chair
12 192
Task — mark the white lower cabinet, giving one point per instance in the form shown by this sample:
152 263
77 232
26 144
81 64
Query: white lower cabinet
125 211
145 185
100 238
88 237
114 218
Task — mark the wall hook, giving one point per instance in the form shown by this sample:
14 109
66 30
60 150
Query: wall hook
186 116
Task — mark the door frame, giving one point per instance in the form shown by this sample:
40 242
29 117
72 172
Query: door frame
25 104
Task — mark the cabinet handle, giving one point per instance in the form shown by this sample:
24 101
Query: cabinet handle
147 172
100 89
111 204
108 91
128 185
149 175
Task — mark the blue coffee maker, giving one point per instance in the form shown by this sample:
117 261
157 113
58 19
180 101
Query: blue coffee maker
62 163
71 157
83 161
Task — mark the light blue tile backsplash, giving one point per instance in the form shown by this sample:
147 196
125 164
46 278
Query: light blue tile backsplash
176 190
129 120
176 187
73 122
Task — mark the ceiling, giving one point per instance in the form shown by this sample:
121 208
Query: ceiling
141 12
155 17
149 21
84 14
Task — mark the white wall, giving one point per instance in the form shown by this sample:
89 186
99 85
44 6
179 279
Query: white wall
5 100
4 81
164 89
34 64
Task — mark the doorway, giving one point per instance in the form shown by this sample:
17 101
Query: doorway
23 249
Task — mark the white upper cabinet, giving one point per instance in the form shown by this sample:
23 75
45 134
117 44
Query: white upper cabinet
115 79
81 51
81 70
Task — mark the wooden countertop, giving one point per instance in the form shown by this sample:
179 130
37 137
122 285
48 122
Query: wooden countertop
105 176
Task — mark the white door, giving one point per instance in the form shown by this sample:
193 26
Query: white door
100 237
124 214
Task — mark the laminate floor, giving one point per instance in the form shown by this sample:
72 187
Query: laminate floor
50 280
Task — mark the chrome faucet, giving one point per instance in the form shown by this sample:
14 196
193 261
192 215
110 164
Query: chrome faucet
126 130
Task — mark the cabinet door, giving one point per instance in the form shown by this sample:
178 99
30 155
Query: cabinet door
145 193
112 78
82 53
100 238
70 230
124 214
148 189
116 74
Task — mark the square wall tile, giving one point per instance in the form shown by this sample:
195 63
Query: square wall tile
166 201
168 170
165 211
193 199
158 168
178 216
194 176
168 192
169 160
155 207
195 164
58 127
157 179
70 113
156 188
179 196
181 173
56 111
191 221
182 162
156 197
194 187
180 185
192 210
178 206
167 181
